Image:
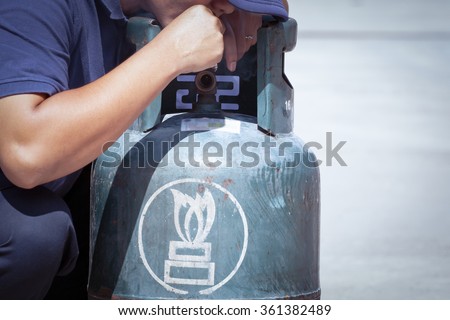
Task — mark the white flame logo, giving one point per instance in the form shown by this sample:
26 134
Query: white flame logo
201 208
204 209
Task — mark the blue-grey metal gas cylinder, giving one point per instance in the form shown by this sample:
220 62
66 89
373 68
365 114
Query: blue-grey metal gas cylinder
209 204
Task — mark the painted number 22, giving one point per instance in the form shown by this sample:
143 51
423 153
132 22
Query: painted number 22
232 92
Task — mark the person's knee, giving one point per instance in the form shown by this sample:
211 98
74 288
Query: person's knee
48 226
41 242
50 241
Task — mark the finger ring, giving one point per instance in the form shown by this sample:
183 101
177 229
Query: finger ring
248 37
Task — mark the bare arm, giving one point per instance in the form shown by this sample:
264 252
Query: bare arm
42 139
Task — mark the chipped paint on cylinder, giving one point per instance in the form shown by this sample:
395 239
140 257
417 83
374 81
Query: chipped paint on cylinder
231 232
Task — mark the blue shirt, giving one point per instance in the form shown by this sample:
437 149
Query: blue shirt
48 46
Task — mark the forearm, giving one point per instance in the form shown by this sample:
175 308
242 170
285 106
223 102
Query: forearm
68 130
44 139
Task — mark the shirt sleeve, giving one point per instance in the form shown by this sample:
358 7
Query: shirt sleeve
35 46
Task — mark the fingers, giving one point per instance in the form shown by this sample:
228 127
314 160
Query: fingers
230 51
241 34
195 38
201 40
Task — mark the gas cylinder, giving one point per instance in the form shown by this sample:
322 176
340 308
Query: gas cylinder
210 195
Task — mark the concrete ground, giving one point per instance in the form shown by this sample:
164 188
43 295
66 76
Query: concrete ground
376 74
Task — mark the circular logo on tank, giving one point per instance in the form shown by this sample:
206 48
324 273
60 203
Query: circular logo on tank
193 236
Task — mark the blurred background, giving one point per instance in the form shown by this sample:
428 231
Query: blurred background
376 74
